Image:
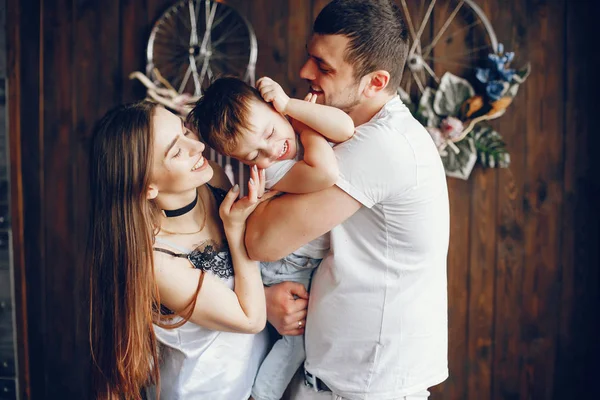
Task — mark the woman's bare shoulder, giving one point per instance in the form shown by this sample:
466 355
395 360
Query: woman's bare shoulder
163 261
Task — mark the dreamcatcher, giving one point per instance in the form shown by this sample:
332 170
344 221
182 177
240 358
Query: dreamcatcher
436 84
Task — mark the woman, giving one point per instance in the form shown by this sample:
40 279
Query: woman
176 304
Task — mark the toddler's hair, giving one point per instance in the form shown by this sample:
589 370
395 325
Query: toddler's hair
222 113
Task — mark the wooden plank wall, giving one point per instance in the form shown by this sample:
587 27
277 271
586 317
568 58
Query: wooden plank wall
523 264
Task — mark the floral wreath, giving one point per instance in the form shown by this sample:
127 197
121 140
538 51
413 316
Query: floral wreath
454 114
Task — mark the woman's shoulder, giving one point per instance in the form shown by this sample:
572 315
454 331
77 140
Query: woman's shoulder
166 260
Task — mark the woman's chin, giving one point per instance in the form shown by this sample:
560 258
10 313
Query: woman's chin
206 175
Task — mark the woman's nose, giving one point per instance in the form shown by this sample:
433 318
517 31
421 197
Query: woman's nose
197 147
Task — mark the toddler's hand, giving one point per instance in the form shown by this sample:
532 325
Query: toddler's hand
311 97
272 92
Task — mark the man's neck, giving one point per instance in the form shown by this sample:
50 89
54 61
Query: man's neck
363 112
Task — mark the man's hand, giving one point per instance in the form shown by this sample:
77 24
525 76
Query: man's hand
272 92
287 304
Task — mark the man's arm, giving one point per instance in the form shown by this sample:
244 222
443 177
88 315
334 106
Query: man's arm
283 224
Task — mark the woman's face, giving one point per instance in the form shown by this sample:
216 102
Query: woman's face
178 162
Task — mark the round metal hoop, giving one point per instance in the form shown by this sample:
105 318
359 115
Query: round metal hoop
420 63
195 41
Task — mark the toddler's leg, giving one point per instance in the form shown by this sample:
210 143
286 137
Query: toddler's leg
278 368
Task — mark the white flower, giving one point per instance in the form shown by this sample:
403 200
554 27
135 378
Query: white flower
451 128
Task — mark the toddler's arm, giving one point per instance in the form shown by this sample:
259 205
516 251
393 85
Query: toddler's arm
317 171
331 122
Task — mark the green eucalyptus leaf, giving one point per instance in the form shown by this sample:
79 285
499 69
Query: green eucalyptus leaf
522 74
425 113
491 149
460 164
451 94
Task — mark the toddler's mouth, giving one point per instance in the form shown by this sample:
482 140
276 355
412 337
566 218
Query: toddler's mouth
284 150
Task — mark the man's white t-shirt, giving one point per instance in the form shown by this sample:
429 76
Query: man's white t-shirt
377 324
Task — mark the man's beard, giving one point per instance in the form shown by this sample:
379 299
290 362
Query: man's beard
347 100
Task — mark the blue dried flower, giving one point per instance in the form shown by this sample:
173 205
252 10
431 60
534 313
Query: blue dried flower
483 75
495 89
498 73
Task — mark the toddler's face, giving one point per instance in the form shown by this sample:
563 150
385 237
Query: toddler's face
270 138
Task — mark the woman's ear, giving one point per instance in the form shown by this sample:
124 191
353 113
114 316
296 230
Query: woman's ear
377 83
152 192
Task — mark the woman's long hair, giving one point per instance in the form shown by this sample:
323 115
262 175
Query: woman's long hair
123 292
124 298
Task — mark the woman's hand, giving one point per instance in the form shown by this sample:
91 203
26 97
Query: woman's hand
273 93
235 213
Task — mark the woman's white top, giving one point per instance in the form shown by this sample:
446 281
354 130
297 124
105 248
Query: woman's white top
199 363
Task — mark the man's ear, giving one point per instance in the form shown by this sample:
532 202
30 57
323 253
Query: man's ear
378 81
152 192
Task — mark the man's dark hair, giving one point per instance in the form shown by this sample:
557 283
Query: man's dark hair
377 33
222 113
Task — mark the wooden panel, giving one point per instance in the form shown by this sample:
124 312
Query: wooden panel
298 32
461 202
482 268
16 194
510 21
134 35
63 377
97 86
542 198
27 180
578 328
317 6
270 22
482 273
154 9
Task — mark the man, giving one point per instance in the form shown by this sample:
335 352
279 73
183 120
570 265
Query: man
377 316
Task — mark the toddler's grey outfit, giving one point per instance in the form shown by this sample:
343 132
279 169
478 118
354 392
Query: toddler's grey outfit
287 354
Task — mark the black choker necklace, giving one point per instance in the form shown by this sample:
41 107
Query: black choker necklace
182 210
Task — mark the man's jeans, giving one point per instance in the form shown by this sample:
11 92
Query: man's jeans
299 391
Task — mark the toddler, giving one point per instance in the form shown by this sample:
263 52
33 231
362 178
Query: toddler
250 125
